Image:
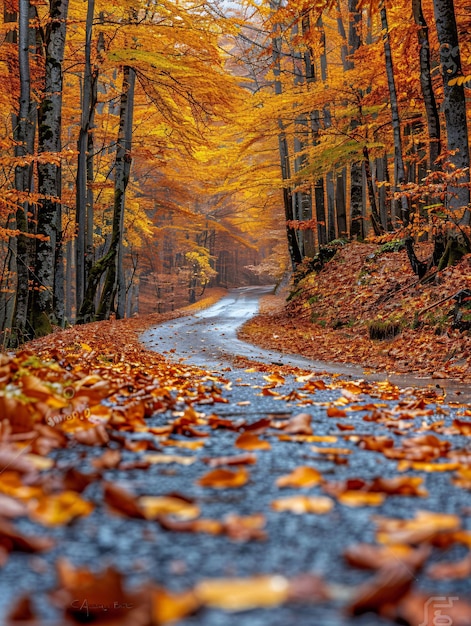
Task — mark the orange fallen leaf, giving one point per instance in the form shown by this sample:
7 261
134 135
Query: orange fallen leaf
387 587
169 607
12 539
458 569
224 479
463 478
318 450
361 498
62 508
304 504
303 476
463 426
299 425
243 594
249 441
368 556
155 506
237 459
121 501
108 460
169 458
420 466
426 526
334 411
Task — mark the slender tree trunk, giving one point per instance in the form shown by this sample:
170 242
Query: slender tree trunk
454 104
82 159
293 247
315 117
108 263
382 176
24 130
375 219
328 183
431 110
46 308
400 174
357 228
340 205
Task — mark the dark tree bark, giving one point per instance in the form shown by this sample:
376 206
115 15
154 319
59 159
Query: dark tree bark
375 219
431 110
293 247
88 107
454 104
400 173
357 229
24 132
47 305
340 206
122 169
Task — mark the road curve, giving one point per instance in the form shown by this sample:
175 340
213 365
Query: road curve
209 339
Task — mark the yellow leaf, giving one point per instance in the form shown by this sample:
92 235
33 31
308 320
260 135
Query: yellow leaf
302 476
304 504
154 506
56 509
243 594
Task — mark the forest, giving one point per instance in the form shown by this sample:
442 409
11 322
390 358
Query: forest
180 442
151 149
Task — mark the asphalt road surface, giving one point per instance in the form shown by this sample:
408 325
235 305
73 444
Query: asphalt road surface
295 544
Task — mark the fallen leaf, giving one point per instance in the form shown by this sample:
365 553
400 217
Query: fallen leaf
169 458
458 569
387 587
302 476
304 504
237 459
224 479
243 594
249 441
426 526
156 506
368 556
169 607
121 501
108 460
299 425
61 508
361 498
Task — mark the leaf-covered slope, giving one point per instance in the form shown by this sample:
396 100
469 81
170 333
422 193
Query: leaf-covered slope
365 292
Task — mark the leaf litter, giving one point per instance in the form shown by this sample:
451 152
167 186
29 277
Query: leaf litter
97 389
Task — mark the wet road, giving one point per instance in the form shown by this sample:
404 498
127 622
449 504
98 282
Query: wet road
209 339
295 544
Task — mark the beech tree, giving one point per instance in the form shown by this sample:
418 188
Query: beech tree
47 301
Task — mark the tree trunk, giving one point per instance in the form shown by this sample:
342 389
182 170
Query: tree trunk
45 307
375 219
24 131
400 174
431 110
356 174
454 104
82 159
293 247
108 263
340 206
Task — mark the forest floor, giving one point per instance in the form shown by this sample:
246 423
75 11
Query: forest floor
364 290
137 490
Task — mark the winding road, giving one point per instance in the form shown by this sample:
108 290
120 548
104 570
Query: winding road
209 339
295 544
